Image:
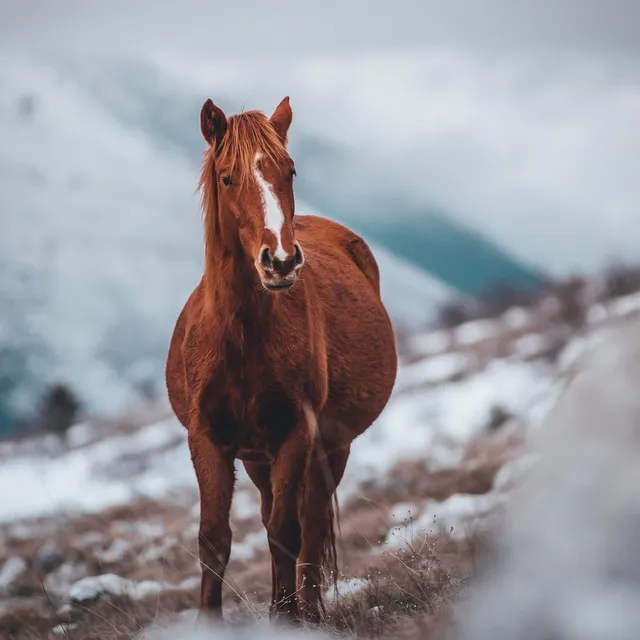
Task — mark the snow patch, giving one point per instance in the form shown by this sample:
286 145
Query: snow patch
244 505
11 570
431 343
79 479
346 588
249 546
91 587
403 512
457 516
117 551
476 331
434 370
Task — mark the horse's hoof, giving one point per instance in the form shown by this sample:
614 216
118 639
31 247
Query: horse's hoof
208 619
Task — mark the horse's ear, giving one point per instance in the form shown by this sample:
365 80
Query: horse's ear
281 119
213 123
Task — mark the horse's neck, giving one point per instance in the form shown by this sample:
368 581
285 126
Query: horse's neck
234 293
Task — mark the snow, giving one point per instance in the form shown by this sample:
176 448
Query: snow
12 569
434 370
457 516
403 511
186 630
64 628
434 423
531 345
244 505
81 434
60 581
430 343
417 424
249 546
476 331
518 318
625 305
347 587
426 421
78 479
91 587
153 553
117 551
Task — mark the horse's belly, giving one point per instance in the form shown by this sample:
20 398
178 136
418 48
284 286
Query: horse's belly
252 421
263 456
362 362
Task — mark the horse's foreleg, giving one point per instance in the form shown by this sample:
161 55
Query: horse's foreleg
287 474
215 473
324 472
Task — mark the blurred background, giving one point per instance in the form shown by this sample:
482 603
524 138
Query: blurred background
479 148
487 151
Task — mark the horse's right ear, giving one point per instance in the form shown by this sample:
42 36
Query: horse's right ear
213 123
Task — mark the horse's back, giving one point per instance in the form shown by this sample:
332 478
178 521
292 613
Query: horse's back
326 236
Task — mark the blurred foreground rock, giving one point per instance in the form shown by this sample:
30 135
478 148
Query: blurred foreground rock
565 564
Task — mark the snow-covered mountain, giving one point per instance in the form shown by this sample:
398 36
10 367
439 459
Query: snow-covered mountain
100 237
101 243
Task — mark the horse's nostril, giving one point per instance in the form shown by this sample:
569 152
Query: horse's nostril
299 258
265 259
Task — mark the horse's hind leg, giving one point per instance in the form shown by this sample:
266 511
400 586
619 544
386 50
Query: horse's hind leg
316 517
260 474
287 474
215 474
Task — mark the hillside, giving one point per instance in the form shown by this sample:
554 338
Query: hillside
106 526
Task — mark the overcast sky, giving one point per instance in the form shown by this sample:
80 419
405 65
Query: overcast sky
247 28
519 117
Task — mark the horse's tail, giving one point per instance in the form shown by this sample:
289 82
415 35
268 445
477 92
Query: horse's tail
329 556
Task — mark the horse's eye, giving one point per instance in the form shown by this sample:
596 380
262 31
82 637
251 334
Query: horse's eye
292 173
226 181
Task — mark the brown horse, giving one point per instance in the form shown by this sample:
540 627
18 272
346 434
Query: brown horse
282 355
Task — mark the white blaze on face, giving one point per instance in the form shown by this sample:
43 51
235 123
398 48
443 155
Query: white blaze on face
273 215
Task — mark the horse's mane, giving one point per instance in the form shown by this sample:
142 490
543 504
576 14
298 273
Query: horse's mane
247 133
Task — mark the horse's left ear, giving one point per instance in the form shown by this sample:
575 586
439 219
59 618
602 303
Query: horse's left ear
281 119
213 123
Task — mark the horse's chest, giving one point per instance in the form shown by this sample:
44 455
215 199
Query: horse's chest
251 395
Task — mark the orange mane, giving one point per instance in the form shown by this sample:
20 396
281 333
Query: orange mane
247 133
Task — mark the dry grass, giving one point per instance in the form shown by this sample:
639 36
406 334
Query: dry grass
112 618
414 584
405 593
410 588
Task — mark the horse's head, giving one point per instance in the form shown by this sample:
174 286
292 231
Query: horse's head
252 175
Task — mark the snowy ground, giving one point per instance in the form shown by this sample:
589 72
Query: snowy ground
114 515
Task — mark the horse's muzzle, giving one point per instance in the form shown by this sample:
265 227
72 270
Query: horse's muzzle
283 285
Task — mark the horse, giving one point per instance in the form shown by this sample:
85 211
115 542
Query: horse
282 355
